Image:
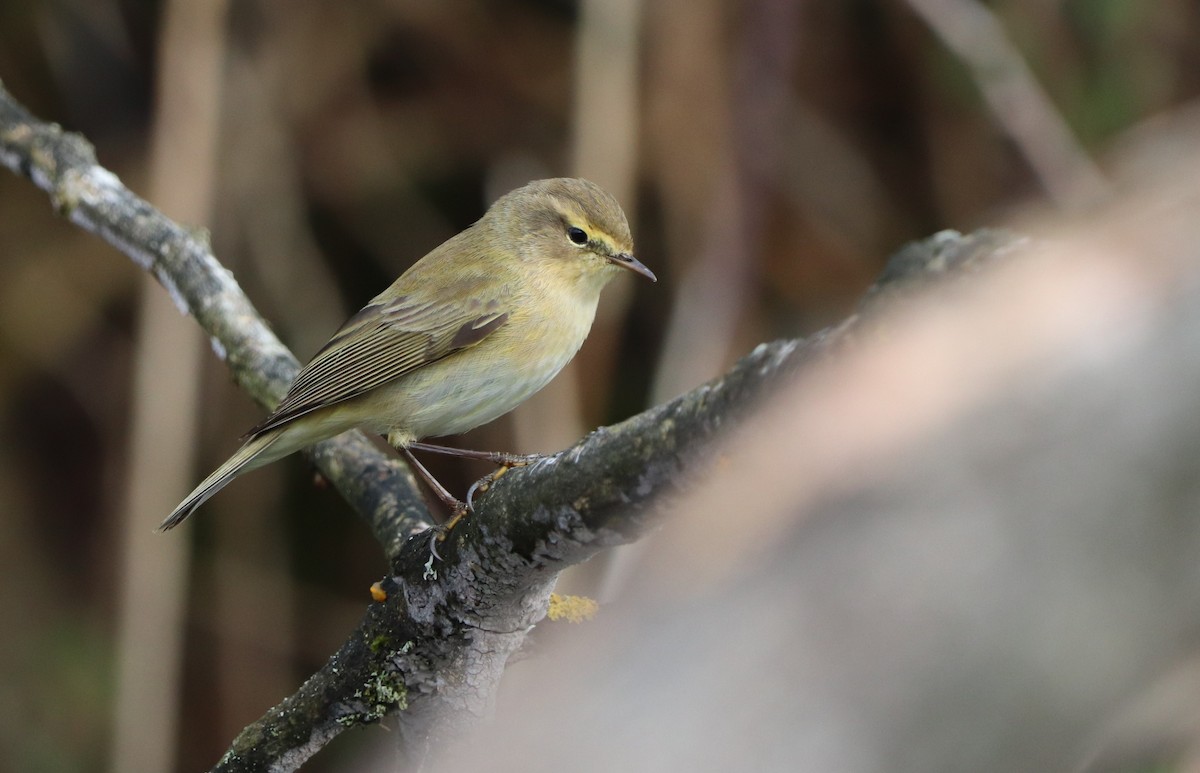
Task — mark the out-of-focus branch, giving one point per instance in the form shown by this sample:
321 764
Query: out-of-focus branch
713 289
167 366
1018 103
64 165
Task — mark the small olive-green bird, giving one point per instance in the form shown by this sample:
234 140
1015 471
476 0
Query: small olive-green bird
469 332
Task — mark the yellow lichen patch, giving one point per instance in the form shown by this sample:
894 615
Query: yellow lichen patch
378 593
573 609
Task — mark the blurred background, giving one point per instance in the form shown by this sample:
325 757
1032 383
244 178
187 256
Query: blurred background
770 155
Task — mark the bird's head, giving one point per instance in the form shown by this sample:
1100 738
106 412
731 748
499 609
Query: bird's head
572 226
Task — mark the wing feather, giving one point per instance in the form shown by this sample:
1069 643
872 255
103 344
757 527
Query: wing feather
383 341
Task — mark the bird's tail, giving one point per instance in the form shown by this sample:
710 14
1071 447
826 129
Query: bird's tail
233 466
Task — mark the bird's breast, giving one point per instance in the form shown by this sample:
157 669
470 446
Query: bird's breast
476 385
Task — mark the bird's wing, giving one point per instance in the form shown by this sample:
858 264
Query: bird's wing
385 340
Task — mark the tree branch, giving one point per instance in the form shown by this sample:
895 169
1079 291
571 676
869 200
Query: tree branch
63 164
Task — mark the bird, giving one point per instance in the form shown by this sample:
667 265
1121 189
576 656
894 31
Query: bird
466 334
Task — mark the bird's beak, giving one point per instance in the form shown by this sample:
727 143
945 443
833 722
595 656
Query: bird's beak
627 261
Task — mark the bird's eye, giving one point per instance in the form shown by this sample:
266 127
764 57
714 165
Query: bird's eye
577 236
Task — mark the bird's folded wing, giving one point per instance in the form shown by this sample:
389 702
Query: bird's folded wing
385 340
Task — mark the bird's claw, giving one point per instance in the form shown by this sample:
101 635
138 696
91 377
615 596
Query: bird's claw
438 532
436 535
480 486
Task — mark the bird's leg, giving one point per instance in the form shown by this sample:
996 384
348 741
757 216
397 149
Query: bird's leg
457 509
503 461
448 499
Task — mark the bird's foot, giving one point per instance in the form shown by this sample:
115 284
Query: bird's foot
457 512
438 533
